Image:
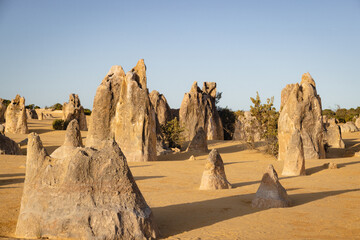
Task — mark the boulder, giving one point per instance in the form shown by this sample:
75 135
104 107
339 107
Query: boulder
332 134
198 110
122 110
199 142
31 114
300 122
89 194
270 194
16 121
247 127
2 129
2 110
161 107
349 127
214 174
72 140
8 146
74 110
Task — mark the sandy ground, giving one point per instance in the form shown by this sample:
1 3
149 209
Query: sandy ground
326 203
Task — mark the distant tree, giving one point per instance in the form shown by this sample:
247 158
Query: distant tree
6 102
218 97
87 111
56 106
30 106
228 118
172 133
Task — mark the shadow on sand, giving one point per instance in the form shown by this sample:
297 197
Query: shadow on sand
139 178
4 182
316 169
179 218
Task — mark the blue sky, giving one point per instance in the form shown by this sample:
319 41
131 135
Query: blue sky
49 49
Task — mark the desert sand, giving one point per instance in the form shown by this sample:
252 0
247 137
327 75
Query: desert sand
325 202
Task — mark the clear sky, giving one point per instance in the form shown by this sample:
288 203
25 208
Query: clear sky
49 49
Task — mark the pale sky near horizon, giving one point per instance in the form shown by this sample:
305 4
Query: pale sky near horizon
49 49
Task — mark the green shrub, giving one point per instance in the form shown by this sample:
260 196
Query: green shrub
172 133
58 124
30 106
267 116
87 111
228 118
56 106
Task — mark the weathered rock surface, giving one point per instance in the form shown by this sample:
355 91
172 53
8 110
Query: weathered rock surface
102 120
161 107
16 121
74 110
8 146
300 125
332 134
349 127
357 122
72 140
214 174
198 110
271 194
31 114
2 110
199 142
90 194
330 165
122 110
247 127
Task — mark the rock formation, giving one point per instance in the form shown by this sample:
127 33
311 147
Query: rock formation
357 122
90 194
332 134
161 107
16 121
300 126
247 127
198 110
349 127
214 174
8 146
31 114
122 110
199 142
270 194
72 140
74 110
2 110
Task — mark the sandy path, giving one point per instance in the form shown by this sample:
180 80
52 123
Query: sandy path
326 203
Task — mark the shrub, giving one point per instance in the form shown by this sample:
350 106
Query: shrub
30 106
228 118
268 117
58 124
87 111
172 133
56 106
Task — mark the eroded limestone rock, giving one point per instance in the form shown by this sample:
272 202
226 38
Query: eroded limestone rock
74 110
300 125
247 127
72 140
349 127
198 110
332 134
90 194
16 121
199 142
161 107
214 174
8 146
31 114
2 110
270 194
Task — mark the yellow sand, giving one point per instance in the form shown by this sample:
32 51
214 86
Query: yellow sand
326 203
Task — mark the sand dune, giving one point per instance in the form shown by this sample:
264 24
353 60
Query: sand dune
326 203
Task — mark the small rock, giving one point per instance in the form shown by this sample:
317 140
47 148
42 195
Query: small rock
330 165
192 158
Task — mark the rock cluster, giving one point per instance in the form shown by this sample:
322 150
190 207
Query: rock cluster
198 110
247 127
122 110
74 110
89 194
199 142
214 174
332 134
161 107
16 121
8 146
349 127
300 126
72 140
31 114
270 194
